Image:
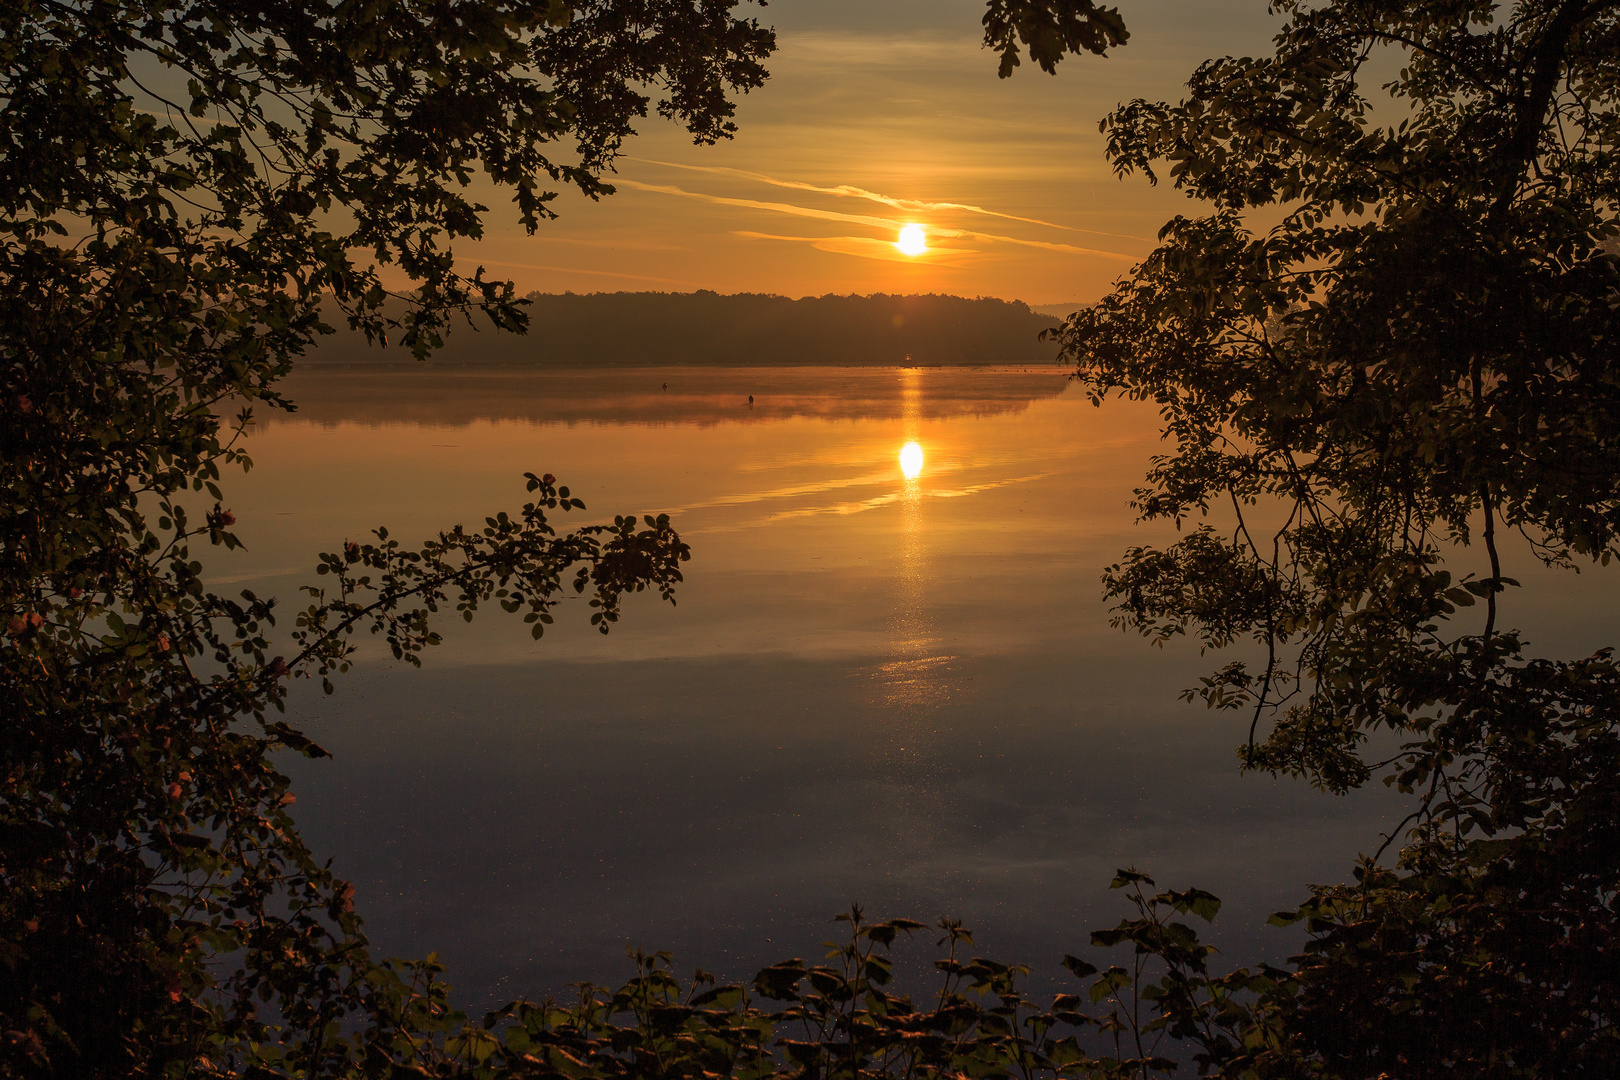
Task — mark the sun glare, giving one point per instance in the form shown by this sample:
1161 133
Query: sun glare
913 240
911 460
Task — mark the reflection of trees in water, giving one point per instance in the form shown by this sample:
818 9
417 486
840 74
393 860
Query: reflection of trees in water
452 395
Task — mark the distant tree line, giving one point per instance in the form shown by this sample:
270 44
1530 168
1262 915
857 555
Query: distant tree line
708 328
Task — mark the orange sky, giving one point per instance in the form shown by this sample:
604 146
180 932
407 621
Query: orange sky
878 114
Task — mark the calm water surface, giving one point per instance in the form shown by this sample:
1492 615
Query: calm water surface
895 689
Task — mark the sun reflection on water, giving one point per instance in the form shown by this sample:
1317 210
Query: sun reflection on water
915 680
913 683
911 460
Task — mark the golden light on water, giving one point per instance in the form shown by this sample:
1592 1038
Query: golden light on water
911 460
913 240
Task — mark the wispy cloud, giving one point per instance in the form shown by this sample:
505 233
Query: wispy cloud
885 479
861 219
895 496
576 270
843 49
756 204
787 492
849 191
969 234
613 242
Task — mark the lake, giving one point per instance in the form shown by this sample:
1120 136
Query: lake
901 691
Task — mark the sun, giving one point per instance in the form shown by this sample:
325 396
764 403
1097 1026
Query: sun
913 240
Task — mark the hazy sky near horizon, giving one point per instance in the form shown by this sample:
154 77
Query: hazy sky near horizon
878 114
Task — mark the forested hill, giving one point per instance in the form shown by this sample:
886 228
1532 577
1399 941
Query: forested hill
706 328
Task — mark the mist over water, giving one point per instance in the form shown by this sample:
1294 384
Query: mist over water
889 679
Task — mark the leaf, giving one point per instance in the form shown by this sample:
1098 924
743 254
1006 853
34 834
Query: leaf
1197 901
1079 967
721 997
1066 1052
1114 979
1122 878
779 982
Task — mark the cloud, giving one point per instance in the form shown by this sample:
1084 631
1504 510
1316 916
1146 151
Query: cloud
576 270
755 204
787 492
873 222
843 49
851 192
968 234
613 242
888 498
884 478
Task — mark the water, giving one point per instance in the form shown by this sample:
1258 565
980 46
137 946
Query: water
896 690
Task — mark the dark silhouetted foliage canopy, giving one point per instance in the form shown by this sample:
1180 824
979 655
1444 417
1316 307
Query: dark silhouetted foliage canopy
1391 339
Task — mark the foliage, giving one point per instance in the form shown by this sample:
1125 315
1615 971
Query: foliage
1392 337
1421 350
845 1018
184 185
1050 29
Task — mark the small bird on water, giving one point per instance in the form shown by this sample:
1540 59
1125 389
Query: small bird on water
750 399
